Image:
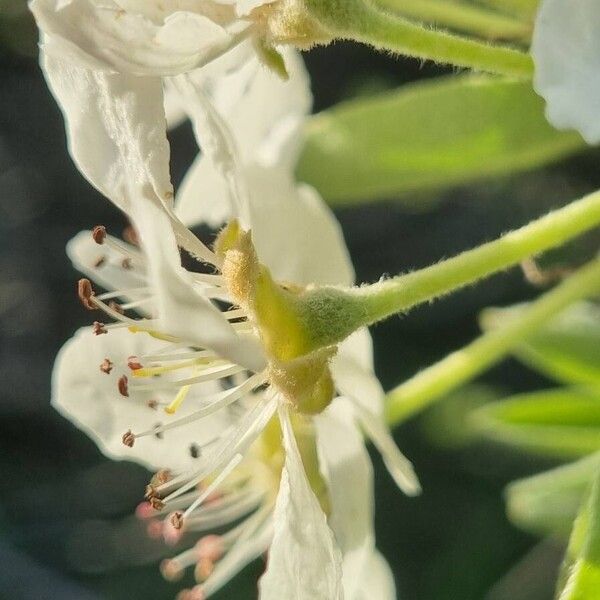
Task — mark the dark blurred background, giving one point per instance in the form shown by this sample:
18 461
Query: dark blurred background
65 530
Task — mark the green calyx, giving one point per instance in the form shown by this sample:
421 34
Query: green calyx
290 22
298 363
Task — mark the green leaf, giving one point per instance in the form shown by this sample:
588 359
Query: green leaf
562 423
448 131
580 573
444 423
547 504
567 349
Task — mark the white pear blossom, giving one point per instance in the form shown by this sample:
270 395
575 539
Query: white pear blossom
566 53
212 439
231 477
206 356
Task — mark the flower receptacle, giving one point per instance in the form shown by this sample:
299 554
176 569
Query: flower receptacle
292 321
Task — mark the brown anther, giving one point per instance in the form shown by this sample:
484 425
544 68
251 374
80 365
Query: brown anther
170 570
99 234
158 434
177 519
194 450
150 492
99 262
196 593
116 307
153 404
123 386
85 291
210 547
99 328
133 362
161 477
129 439
106 366
203 570
126 264
156 503
130 235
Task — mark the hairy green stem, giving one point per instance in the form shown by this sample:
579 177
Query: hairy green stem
386 298
331 314
362 21
457 368
461 16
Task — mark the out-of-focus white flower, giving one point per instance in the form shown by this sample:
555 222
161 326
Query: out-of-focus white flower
566 53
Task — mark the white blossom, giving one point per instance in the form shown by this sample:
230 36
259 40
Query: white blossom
208 371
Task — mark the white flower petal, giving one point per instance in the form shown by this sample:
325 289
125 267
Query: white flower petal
356 380
115 130
203 196
304 561
566 53
253 143
182 311
296 235
264 114
159 10
89 398
130 42
174 111
245 7
353 373
399 467
84 253
377 580
268 117
217 142
347 469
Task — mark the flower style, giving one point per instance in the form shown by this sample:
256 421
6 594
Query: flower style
566 53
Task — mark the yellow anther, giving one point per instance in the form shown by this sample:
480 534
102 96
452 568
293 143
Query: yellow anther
171 409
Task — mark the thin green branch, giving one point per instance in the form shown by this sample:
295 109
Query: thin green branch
396 295
460 16
459 367
331 314
361 21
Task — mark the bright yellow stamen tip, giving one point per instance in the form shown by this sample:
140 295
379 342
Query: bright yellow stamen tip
171 409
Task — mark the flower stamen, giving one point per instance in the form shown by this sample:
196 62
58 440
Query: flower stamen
106 366
99 234
171 409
